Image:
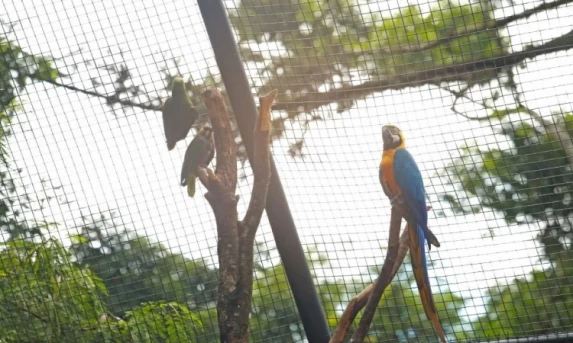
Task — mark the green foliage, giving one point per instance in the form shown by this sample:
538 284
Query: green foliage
47 298
136 270
17 68
323 42
163 322
542 303
275 317
44 297
529 182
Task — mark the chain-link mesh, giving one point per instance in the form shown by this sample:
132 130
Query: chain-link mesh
101 241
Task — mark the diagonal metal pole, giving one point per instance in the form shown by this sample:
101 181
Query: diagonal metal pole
280 218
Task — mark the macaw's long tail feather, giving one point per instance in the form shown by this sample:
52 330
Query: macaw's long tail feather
191 184
418 255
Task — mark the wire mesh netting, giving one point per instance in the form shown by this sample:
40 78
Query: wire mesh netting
101 243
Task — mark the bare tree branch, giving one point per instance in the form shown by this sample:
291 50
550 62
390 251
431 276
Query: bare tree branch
450 73
487 25
236 239
110 99
248 226
261 166
221 196
465 72
224 143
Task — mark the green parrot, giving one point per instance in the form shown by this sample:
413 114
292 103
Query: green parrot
200 152
178 114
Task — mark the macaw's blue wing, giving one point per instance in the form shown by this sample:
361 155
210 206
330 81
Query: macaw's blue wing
409 180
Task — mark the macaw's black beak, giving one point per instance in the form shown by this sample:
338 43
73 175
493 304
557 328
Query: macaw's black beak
386 135
389 138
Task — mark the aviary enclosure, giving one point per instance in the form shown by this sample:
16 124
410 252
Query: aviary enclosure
287 228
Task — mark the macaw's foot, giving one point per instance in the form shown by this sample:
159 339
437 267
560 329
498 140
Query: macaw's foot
397 200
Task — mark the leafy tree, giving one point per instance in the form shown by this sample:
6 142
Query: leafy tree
136 270
529 183
17 69
540 303
47 298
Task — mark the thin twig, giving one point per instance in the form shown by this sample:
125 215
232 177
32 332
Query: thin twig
558 134
110 99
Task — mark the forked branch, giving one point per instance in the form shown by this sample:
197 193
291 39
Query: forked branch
394 259
235 241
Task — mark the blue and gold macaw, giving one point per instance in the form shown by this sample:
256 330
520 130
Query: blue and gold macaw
402 183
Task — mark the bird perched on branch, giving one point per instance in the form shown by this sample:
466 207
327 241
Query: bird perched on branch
178 114
402 183
200 152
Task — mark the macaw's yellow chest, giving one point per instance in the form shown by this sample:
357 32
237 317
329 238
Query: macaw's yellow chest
387 173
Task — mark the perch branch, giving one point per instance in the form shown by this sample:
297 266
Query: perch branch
261 166
385 275
358 302
235 246
221 196
248 226
224 143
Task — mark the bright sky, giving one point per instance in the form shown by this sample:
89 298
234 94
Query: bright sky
118 162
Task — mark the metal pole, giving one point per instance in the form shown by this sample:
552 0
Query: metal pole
280 218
